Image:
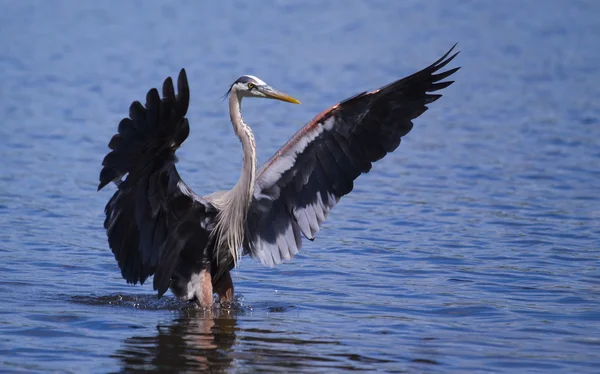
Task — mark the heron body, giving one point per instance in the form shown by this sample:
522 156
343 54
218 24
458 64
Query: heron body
156 225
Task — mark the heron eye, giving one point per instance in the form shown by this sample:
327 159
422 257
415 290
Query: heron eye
250 86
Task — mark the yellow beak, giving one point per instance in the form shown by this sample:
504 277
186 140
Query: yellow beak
274 94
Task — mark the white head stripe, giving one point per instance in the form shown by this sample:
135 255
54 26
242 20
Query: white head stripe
257 79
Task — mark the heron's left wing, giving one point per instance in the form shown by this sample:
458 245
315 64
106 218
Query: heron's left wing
302 182
154 219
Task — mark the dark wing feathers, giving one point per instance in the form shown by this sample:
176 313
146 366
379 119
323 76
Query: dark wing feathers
153 217
304 180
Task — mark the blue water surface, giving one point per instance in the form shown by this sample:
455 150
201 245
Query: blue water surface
475 247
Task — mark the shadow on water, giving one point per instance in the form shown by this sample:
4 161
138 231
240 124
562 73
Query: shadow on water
197 341
213 341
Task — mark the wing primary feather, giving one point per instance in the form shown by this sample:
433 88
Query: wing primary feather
438 86
440 76
168 90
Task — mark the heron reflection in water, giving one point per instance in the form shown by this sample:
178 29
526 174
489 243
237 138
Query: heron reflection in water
195 341
156 225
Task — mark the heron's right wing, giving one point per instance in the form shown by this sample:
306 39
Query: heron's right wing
154 217
305 179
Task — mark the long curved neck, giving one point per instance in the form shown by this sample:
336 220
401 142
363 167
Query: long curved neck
245 185
233 205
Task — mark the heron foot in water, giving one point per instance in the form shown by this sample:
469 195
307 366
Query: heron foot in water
224 288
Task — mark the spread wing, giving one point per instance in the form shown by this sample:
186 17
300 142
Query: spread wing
304 180
154 217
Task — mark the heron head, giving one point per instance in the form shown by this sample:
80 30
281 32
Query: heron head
251 86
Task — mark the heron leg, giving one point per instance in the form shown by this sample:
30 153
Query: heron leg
224 288
204 295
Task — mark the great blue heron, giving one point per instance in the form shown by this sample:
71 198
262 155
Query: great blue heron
157 225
